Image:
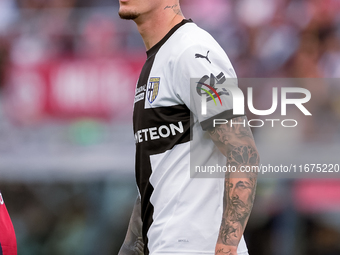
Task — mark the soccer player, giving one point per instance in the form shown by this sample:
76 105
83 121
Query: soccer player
8 243
176 214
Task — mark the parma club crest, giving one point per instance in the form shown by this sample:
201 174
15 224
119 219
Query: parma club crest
153 88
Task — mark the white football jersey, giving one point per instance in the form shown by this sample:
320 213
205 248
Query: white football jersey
180 214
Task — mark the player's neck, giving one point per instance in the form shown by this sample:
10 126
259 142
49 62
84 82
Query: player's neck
154 28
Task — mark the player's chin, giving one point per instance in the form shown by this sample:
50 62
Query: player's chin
129 15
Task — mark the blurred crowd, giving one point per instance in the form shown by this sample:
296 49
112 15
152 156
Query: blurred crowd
263 39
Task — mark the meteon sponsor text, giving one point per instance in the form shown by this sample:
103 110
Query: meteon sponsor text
155 133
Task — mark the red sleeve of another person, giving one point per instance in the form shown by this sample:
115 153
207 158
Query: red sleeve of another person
8 244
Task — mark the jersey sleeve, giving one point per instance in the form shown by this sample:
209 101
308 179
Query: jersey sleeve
201 79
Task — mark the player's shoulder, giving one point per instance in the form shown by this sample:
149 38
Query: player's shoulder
192 31
191 39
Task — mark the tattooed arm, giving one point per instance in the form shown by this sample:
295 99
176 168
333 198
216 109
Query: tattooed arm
236 142
133 243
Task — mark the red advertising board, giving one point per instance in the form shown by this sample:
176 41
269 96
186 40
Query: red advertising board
100 88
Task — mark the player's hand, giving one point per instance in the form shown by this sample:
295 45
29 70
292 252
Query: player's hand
135 248
222 249
139 246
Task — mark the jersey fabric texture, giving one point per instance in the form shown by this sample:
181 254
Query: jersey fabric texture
181 215
8 245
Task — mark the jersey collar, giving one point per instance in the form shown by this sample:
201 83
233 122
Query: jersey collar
157 46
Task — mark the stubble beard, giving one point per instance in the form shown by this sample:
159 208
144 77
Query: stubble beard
128 15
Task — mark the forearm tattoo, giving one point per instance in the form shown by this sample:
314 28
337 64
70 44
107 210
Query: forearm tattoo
224 251
133 243
237 144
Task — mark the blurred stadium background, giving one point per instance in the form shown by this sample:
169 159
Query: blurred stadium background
67 74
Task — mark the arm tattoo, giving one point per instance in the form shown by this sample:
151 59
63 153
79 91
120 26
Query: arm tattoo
237 144
224 251
133 243
243 155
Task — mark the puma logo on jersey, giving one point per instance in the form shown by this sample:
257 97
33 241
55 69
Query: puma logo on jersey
1 200
201 56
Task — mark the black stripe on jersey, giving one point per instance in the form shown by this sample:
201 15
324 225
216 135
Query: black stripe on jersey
145 188
226 115
0 249
154 118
